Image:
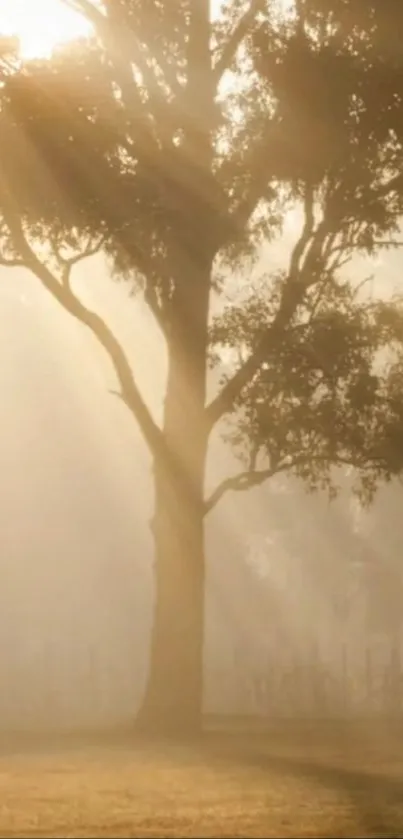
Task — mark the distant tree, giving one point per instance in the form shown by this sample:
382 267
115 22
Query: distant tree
176 143
380 569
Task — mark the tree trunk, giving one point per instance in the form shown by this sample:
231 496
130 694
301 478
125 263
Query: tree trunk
174 693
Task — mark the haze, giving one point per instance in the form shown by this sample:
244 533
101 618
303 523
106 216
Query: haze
76 569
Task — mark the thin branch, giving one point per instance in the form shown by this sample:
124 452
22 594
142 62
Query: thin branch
68 264
307 231
235 39
247 479
258 189
151 298
224 402
387 243
309 247
316 301
91 249
124 54
147 51
257 165
364 282
238 483
121 397
314 259
63 294
292 293
129 47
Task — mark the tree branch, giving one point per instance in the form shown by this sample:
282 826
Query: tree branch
146 49
235 39
224 402
256 183
238 483
254 478
151 298
129 46
294 290
63 294
258 189
307 231
122 61
91 249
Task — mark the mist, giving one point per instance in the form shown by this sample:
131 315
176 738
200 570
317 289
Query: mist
77 557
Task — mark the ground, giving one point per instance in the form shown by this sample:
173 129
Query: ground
290 780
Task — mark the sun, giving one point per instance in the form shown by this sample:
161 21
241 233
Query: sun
40 25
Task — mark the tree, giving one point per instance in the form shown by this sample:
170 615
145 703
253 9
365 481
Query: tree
176 143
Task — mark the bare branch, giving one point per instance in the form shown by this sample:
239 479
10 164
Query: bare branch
121 397
63 294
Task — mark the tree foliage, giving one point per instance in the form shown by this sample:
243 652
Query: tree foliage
107 145
327 394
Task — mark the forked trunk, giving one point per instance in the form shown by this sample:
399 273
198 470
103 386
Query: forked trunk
174 695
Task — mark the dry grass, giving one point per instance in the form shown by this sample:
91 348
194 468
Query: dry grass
291 781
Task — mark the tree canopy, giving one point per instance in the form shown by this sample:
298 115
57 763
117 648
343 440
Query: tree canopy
106 147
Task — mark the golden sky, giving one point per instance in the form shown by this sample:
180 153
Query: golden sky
40 24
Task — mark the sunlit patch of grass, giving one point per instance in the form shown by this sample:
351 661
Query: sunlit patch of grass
289 782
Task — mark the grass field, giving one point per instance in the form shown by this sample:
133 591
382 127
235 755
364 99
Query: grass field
288 781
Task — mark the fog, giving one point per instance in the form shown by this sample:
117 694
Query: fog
76 558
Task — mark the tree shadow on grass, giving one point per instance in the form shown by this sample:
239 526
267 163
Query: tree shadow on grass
376 798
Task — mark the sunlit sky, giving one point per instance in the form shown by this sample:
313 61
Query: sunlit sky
40 24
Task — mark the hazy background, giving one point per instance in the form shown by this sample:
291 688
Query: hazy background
76 551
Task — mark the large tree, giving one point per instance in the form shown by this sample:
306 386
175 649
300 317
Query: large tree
175 140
